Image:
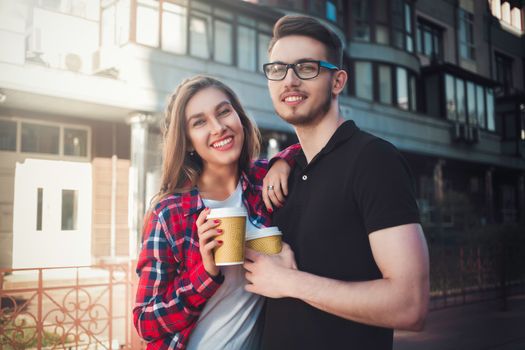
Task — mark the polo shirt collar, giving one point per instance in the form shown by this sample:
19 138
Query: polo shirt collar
341 135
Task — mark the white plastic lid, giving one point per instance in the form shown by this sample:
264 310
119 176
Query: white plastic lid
263 232
227 212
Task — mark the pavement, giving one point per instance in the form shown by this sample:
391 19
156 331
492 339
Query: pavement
479 326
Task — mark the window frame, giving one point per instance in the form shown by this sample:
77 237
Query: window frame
467 18
436 34
61 127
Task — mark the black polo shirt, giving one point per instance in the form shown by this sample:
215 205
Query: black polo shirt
356 185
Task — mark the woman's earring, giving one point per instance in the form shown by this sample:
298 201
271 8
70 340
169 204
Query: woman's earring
192 153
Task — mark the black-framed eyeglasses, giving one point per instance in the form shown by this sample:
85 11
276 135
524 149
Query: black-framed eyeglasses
304 70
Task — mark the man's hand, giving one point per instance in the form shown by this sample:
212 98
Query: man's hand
267 274
275 184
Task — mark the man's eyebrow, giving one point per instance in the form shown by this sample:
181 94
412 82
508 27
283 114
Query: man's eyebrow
300 60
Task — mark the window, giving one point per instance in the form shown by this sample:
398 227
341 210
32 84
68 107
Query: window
75 142
148 22
382 35
69 209
37 138
504 71
174 28
264 42
7 135
480 100
402 88
469 103
385 84
246 57
361 20
199 37
466 35
402 25
39 201
491 120
363 80
508 12
115 22
223 50
450 92
331 11
429 40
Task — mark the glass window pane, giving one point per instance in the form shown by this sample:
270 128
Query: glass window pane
363 80
69 209
199 37
148 22
491 121
460 98
408 19
471 104
450 92
481 105
38 138
108 26
264 42
402 88
331 11
246 58
385 84
7 135
174 22
410 43
428 43
39 200
382 35
223 50
419 40
123 21
398 39
361 20
75 142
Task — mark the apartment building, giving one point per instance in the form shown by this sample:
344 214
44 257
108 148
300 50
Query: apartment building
83 85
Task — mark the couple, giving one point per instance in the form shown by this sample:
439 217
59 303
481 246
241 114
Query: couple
356 263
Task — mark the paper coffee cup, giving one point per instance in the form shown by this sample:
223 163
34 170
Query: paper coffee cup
233 226
266 240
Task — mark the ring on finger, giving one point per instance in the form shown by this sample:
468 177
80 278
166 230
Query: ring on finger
270 188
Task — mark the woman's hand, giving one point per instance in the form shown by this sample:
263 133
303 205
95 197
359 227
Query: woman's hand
275 184
207 232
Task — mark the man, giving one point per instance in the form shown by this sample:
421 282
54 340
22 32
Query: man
358 263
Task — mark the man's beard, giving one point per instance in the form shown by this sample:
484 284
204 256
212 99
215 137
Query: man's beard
311 116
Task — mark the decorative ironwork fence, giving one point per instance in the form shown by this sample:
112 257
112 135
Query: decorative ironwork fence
83 307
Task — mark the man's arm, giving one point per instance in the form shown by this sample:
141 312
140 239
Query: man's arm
398 300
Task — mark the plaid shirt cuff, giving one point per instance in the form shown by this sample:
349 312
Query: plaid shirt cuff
204 284
288 155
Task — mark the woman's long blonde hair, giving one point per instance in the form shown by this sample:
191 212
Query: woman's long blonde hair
180 169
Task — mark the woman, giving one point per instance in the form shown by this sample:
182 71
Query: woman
183 299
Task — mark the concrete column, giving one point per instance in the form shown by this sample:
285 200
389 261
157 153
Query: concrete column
139 123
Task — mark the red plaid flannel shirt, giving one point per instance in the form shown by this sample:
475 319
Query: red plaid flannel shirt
174 286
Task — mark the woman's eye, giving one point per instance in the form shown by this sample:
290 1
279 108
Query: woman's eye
224 112
198 122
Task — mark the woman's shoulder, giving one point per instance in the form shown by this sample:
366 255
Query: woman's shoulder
173 202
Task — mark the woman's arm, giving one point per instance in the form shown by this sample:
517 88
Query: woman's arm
169 296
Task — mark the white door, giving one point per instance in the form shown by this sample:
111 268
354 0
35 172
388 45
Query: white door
52 214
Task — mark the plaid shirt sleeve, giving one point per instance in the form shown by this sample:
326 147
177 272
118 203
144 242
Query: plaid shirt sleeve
169 296
287 155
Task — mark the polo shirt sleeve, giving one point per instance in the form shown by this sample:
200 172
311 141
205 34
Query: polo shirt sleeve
383 187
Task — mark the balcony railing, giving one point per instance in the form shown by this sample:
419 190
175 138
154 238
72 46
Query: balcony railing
83 307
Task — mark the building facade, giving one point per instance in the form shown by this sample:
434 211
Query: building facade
83 85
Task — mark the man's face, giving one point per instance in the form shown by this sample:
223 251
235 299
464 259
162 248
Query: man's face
300 102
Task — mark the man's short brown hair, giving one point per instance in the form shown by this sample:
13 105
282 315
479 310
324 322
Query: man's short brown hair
312 28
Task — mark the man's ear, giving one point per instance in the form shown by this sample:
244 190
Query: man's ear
339 82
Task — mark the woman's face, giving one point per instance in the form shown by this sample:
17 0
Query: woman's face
214 128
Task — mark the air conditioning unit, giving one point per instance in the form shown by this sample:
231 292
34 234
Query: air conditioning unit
106 61
72 62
